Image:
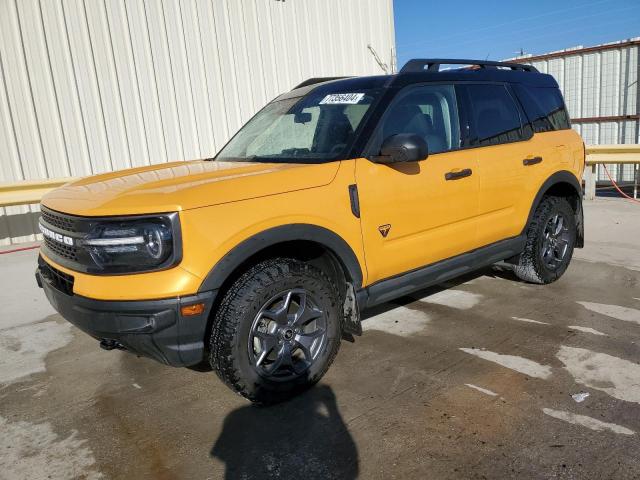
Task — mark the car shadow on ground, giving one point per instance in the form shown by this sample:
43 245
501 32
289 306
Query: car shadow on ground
305 437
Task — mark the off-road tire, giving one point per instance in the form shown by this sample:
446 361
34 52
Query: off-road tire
234 317
531 267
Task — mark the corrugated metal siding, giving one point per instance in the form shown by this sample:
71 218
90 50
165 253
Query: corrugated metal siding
88 86
601 84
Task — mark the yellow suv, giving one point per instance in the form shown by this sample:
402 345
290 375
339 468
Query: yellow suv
338 195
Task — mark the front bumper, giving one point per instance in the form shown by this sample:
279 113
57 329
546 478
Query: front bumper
150 328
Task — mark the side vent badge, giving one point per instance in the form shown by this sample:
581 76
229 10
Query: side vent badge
384 230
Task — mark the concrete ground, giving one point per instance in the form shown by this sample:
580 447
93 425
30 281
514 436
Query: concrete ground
474 379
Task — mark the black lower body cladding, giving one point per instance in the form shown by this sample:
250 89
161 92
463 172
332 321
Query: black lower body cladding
150 328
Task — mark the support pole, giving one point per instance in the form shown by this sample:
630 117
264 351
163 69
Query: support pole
590 174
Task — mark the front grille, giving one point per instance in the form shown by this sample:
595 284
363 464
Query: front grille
65 251
62 222
61 281
62 251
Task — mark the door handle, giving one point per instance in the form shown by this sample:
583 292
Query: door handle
531 161
456 175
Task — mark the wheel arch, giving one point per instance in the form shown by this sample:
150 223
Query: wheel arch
294 240
562 184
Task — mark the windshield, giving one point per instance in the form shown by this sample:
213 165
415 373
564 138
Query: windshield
316 128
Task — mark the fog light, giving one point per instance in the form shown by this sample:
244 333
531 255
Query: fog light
191 310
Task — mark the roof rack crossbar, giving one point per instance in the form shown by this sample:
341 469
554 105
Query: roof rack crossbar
433 65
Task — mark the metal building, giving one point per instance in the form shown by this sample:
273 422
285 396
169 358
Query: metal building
601 90
88 86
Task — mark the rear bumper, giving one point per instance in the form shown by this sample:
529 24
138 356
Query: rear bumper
150 328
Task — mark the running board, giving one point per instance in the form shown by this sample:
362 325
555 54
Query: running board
424 277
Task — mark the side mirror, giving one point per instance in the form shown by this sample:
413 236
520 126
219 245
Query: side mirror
403 147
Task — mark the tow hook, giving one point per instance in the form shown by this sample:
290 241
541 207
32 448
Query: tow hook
108 344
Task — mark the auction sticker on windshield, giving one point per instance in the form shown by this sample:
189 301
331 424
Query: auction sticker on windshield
342 99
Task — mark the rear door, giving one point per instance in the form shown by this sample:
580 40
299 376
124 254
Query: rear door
548 115
508 158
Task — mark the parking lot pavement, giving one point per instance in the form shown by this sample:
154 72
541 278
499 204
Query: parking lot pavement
472 379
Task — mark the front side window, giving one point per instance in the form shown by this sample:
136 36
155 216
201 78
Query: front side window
316 128
429 111
495 115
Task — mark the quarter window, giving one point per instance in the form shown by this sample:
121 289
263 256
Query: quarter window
495 115
544 107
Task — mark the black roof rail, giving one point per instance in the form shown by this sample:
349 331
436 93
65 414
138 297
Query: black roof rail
433 64
313 81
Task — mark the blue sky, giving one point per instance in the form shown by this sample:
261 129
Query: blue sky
499 29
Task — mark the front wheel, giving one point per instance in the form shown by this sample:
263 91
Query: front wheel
277 330
551 238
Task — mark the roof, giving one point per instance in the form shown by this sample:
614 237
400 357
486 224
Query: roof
428 70
433 65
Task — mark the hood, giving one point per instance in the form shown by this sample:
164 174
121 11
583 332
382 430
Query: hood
177 186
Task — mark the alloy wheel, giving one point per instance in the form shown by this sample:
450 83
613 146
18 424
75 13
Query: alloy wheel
287 335
555 241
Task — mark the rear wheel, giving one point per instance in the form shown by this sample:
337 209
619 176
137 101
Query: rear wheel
551 238
277 330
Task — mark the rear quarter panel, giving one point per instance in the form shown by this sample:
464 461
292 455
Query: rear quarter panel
562 150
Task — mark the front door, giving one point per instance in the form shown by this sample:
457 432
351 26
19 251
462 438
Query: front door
415 214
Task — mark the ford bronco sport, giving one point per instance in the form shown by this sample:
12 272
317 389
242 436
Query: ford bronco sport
338 195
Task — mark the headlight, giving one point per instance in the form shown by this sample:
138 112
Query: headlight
133 245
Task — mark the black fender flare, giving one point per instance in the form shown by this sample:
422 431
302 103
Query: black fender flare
563 176
281 234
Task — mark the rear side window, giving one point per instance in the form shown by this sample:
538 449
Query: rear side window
495 115
544 107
